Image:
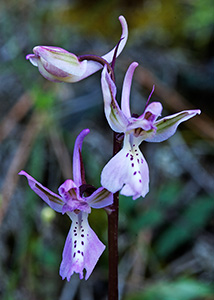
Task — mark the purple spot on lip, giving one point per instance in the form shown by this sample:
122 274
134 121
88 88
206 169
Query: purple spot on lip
138 160
132 165
141 160
135 173
82 235
140 180
74 254
131 158
78 251
82 253
127 154
82 243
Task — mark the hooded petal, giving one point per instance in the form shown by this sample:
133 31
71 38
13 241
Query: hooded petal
56 60
52 199
115 117
147 119
100 198
167 126
78 169
57 64
128 170
70 194
82 248
125 105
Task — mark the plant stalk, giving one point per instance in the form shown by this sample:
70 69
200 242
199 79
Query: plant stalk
113 237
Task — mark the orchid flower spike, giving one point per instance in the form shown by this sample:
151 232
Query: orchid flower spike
82 247
128 170
59 65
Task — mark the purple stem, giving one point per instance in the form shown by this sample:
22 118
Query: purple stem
113 237
113 216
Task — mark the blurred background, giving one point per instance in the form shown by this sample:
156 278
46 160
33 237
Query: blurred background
166 241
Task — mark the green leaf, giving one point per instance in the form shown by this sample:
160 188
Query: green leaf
194 218
181 289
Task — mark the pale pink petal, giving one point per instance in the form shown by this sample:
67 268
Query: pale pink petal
128 170
167 126
115 117
33 59
82 248
125 105
77 158
152 112
60 59
93 66
100 198
52 199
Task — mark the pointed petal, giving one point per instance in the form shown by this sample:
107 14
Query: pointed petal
167 126
33 59
78 169
124 36
125 105
93 66
100 198
52 199
128 170
82 248
115 117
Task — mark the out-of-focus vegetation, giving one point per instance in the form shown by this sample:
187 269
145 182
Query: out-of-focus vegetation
166 240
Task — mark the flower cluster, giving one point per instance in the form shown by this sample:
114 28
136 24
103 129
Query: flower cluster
126 172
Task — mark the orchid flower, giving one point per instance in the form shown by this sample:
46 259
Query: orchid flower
82 247
128 169
59 65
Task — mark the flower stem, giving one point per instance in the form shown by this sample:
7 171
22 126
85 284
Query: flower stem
100 60
113 237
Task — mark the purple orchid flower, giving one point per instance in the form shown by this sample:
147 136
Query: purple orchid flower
82 247
59 65
128 169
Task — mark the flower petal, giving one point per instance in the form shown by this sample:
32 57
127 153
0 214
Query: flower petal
68 190
55 58
52 199
125 105
82 248
124 36
167 126
70 194
115 117
128 170
147 119
33 59
100 198
93 66
78 168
